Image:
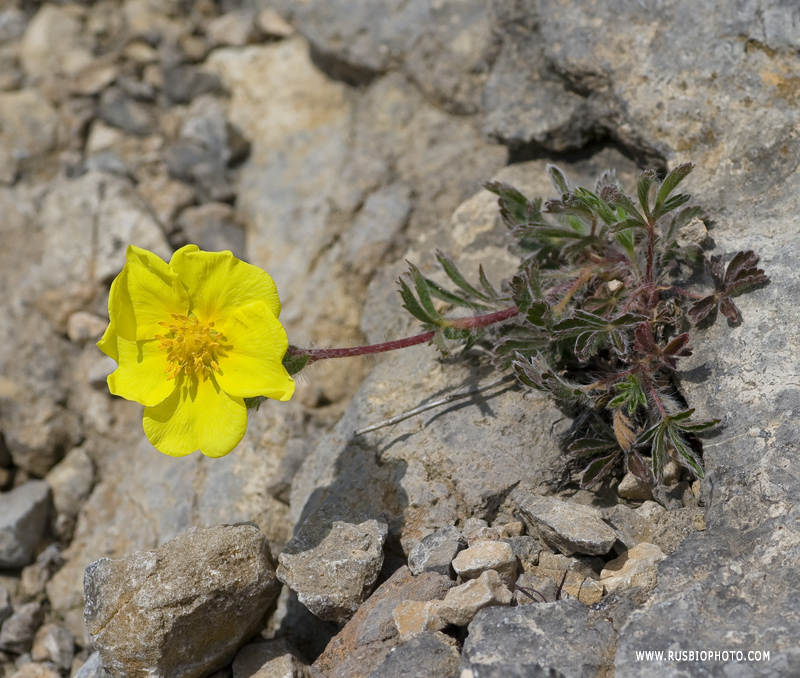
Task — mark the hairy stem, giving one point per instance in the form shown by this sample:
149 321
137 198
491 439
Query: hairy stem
474 322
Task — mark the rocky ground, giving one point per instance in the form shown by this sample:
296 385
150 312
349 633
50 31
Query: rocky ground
327 141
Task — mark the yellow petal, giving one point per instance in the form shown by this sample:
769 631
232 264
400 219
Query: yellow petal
254 346
198 415
218 283
142 372
146 292
108 343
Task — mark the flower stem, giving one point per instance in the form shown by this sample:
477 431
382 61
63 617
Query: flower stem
474 322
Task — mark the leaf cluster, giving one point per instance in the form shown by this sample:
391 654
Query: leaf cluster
597 315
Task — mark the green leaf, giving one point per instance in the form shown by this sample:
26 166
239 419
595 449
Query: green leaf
491 292
411 304
598 469
439 292
515 208
643 185
585 447
423 293
455 275
558 178
670 183
294 362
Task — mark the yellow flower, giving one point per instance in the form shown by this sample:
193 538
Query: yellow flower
192 339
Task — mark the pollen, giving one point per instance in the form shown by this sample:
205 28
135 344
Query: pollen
191 346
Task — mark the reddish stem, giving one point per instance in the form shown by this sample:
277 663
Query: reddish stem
474 322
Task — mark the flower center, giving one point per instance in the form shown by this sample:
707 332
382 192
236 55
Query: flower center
192 347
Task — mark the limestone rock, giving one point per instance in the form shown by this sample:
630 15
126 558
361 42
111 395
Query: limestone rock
417 616
566 526
183 609
333 561
424 654
435 552
23 520
371 634
515 641
268 659
636 567
487 555
71 481
462 602
17 632
54 643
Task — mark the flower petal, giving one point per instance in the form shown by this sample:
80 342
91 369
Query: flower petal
218 282
142 372
146 292
252 366
198 415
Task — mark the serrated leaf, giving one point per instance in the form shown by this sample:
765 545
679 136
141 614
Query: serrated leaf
558 178
585 447
598 469
701 309
686 456
491 292
515 208
423 293
671 182
455 275
643 185
411 304
441 293
539 314
672 204
623 201
729 310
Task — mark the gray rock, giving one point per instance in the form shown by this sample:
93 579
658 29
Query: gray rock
5 605
184 82
54 643
183 609
35 670
533 636
568 527
92 668
637 567
29 124
17 632
23 520
118 109
487 555
371 634
213 226
71 481
425 654
526 549
435 552
55 43
461 603
333 561
268 659
195 164
631 527
232 29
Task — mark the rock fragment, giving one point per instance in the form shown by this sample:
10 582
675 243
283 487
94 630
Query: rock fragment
16 633
462 602
268 659
436 552
567 527
54 643
183 609
427 654
371 634
487 555
23 520
636 567
333 561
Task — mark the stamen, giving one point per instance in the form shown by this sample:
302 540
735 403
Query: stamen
191 348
